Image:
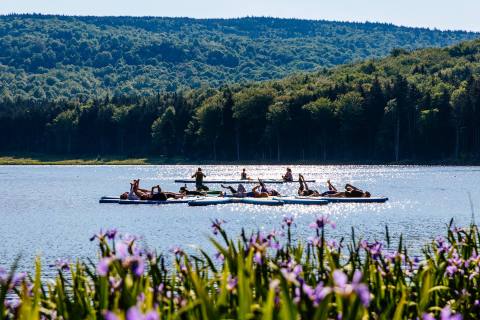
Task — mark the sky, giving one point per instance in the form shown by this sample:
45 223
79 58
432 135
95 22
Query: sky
440 14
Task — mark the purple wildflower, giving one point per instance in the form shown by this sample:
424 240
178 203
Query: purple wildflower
375 248
231 283
183 268
152 315
316 295
274 245
258 258
287 221
274 234
177 251
451 270
315 241
141 297
161 287
130 238
217 226
62 264
3 276
321 222
340 279
297 295
219 256
111 233
103 266
446 314
100 236
12 304
152 257
135 314
136 264
342 286
361 289
18 278
109 315
442 245
121 250
114 283
292 273
428 316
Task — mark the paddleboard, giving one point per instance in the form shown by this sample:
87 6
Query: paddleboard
302 201
350 200
268 181
209 202
254 201
169 201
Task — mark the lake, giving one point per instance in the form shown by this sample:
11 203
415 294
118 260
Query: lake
52 211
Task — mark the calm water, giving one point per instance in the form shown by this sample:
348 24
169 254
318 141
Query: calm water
53 210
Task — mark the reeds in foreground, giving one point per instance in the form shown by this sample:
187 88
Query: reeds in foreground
258 276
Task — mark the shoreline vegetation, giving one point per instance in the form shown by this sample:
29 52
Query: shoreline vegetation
258 275
422 105
42 159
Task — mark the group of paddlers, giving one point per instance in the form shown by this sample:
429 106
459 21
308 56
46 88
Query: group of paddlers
258 191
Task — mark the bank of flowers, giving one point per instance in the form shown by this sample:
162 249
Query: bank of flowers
257 276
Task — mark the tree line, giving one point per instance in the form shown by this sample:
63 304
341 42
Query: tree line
55 57
423 105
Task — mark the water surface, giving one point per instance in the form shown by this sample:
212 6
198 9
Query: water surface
53 210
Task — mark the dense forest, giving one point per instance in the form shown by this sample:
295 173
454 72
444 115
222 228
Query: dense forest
422 105
51 57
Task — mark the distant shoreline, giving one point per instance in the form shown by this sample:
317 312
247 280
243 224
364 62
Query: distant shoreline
42 159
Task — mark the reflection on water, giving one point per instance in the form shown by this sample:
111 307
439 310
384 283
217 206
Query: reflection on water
53 210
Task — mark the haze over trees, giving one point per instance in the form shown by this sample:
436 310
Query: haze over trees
421 105
52 57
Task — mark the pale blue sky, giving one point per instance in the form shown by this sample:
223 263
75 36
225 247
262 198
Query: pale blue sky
441 14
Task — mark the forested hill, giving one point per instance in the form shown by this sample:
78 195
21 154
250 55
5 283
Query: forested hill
80 57
423 105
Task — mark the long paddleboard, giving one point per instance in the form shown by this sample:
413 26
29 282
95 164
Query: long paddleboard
302 201
233 181
169 201
349 200
254 201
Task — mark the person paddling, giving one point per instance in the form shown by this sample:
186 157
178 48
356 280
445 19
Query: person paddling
199 175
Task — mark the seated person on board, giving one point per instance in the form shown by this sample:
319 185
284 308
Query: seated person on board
288 177
350 192
199 175
303 189
244 176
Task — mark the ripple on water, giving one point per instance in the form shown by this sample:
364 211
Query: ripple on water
59 209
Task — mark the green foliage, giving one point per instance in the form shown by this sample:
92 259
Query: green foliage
163 132
257 277
51 57
418 106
